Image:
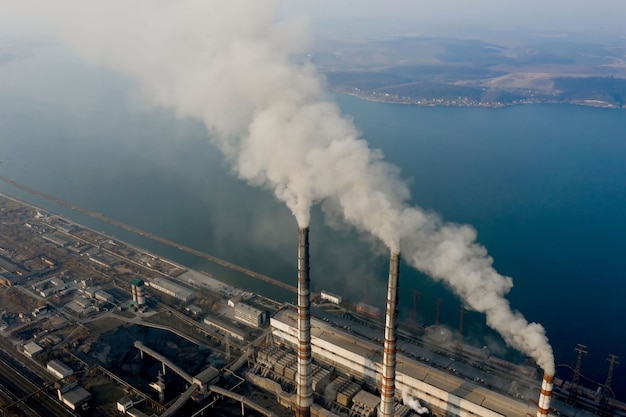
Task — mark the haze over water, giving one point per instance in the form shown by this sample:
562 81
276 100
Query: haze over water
543 185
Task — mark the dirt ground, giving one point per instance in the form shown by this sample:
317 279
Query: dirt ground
15 301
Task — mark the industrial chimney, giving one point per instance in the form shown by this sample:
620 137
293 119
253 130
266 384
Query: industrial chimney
388 386
304 380
543 406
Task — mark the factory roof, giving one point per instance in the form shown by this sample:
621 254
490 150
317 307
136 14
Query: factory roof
76 396
366 399
105 296
125 401
407 369
194 309
247 308
225 327
182 291
32 348
60 368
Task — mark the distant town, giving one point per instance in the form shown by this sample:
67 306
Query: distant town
460 101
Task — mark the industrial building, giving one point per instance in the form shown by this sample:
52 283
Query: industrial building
41 311
361 359
335 299
50 286
101 261
74 396
249 315
55 239
31 349
172 289
59 369
194 309
225 328
232 302
137 289
342 395
104 296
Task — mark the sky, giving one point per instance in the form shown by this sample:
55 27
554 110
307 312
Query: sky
360 17
373 18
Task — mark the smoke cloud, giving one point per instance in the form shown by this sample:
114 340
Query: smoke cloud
414 404
230 63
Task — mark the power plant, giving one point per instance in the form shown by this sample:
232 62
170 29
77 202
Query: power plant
277 127
321 357
317 340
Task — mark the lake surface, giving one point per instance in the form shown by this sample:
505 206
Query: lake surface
545 187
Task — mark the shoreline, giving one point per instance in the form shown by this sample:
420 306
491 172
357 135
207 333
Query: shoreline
206 279
438 102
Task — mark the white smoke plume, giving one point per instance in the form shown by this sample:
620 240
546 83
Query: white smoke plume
230 64
414 404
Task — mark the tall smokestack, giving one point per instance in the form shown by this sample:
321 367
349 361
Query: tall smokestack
304 381
388 386
543 406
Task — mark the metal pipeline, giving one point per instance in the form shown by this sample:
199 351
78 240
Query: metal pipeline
304 376
388 385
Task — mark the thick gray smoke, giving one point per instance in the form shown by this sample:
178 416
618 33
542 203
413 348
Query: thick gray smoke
229 63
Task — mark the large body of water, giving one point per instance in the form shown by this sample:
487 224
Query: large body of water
545 187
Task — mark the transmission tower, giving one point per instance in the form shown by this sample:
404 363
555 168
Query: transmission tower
607 391
581 351
438 316
607 385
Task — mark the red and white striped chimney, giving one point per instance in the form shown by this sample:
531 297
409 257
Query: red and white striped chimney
388 386
543 406
304 376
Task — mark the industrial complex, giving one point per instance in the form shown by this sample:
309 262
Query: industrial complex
106 328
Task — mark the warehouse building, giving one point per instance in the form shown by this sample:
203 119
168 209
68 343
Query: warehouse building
102 261
31 349
59 369
74 396
172 289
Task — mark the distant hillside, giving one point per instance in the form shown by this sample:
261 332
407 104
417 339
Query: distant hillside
607 89
440 71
